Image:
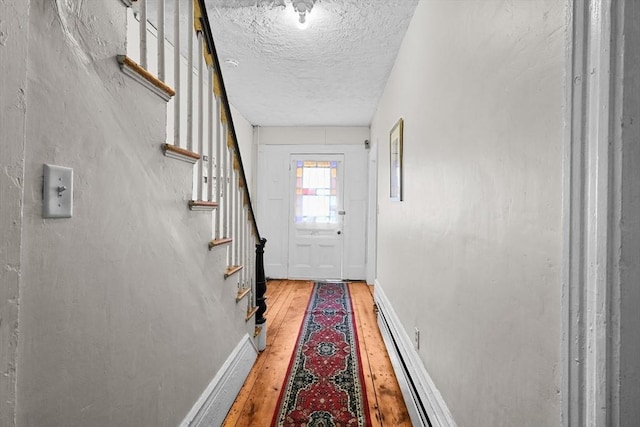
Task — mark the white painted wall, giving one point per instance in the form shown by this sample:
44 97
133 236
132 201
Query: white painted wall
472 256
244 133
14 30
124 316
333 135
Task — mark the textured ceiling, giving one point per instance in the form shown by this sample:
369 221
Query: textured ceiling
330 74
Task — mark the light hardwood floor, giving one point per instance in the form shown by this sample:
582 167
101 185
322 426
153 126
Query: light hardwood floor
286 304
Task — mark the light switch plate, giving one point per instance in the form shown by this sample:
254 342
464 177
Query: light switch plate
57 192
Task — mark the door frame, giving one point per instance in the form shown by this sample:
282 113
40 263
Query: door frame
278 155
598 181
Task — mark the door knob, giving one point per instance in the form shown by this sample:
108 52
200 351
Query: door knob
339 232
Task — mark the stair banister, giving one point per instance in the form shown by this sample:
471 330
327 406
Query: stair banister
210 45
259 273
234 221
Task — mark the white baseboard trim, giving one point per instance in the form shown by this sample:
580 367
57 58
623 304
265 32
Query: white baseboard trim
213 405
424 402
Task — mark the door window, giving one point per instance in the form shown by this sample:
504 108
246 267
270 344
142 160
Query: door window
316 197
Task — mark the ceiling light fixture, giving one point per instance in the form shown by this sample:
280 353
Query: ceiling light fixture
302 7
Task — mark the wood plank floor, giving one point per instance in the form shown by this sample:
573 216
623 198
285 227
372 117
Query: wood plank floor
287 301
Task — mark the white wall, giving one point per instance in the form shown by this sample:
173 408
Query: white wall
334 135
124 315
13 57
471 257
244 133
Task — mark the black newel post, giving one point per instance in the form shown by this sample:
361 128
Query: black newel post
261 283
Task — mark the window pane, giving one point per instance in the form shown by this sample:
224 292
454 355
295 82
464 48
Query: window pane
316 192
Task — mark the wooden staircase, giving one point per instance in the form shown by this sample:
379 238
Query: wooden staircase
202 133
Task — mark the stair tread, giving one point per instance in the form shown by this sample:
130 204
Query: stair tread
232 269
141 74
217 242
251 312
242 293
202 205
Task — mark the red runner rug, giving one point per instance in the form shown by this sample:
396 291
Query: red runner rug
324 384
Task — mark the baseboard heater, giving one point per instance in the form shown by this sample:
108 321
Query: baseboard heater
412 399
424 402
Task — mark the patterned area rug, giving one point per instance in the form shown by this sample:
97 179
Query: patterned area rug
324 384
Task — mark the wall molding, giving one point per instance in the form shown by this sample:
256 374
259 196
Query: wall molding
424 402
214 403
590 298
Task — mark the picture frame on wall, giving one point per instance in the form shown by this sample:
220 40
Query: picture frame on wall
395 172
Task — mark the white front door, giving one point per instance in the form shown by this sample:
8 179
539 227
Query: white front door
316 214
